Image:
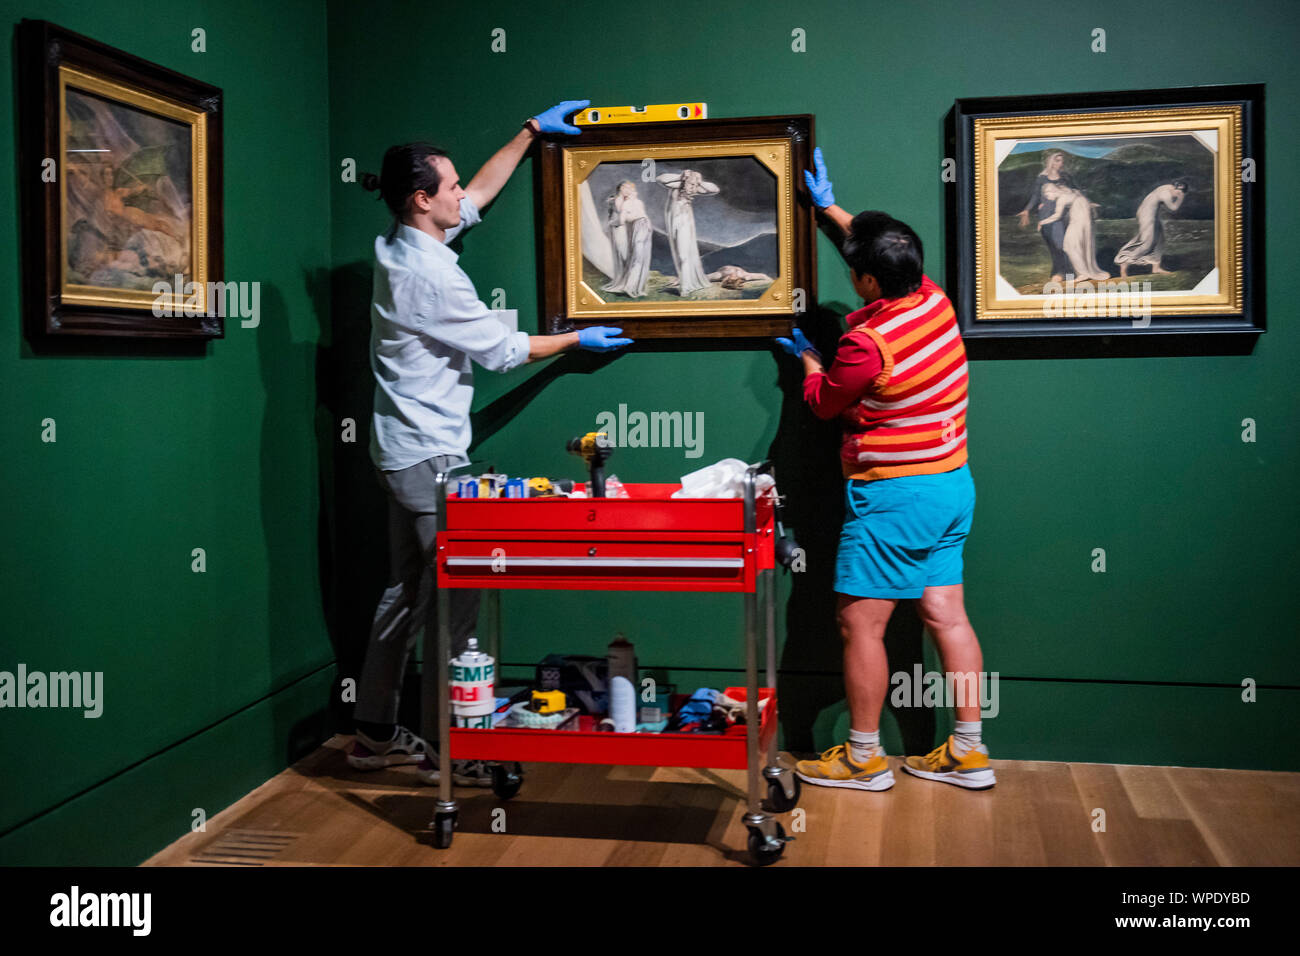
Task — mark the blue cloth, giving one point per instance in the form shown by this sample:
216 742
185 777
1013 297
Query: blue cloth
698 707
426 325
902 535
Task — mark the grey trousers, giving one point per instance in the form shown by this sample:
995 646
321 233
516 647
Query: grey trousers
409 603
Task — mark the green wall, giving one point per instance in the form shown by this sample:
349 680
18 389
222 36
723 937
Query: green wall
1140 456
212 680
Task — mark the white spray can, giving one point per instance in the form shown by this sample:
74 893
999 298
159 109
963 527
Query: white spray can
621 656
473 676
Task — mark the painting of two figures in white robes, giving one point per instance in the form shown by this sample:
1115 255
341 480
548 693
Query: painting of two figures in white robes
700 229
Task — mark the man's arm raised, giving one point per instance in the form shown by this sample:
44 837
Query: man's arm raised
494 174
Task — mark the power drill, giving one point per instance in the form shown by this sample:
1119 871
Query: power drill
594 448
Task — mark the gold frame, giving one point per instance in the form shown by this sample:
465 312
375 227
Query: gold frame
197 120
586 303
1226 121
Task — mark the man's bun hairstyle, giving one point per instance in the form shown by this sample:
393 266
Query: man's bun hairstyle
879 245
407 169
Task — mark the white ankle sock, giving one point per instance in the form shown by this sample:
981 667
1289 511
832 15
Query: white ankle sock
862 744
965 737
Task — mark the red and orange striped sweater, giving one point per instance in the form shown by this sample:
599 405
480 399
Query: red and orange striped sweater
909 418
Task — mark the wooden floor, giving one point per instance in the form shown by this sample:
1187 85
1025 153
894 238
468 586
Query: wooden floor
321 812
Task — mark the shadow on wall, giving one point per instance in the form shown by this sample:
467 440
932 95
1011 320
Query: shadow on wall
805 456
353 508
281 361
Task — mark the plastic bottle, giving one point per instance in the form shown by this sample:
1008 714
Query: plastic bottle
621 657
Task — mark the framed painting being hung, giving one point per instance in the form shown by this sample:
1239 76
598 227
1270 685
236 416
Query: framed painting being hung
1110 213
678 230
121 192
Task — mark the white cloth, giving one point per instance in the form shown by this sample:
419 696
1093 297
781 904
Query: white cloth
426 326
722 479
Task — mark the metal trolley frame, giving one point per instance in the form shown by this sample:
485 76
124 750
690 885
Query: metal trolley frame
647 542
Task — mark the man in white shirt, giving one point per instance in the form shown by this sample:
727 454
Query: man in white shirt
427 327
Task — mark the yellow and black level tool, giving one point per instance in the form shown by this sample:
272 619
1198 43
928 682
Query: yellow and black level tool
663 112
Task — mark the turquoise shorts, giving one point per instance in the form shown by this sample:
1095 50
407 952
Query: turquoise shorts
902 535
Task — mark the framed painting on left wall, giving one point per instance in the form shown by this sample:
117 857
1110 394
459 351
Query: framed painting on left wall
120 178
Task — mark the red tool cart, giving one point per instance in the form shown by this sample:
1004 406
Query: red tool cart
648 541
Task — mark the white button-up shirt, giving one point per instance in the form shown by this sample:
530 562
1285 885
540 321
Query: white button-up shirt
426 325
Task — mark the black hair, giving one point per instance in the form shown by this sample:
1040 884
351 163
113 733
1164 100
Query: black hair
1180 184
879 245
407 169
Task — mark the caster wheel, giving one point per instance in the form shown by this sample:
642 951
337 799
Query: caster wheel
759 850
444 825
507 779
777 801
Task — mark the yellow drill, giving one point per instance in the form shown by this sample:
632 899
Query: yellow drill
594 448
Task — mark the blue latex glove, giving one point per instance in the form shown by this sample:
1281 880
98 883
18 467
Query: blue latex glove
820 187
600 338
797 345
552 121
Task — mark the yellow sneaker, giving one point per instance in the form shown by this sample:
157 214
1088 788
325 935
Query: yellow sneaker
835 768
971 770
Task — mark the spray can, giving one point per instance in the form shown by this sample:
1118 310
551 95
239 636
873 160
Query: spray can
473 675
621 657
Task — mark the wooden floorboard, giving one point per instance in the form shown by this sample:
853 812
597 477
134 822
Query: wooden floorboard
320 812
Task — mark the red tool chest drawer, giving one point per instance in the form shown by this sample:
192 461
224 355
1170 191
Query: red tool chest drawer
648 507
648 541
573 559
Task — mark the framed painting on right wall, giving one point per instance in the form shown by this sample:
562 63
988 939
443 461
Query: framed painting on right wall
1120 213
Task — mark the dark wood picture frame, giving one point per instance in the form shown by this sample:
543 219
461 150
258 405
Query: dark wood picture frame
968 268
676 322
43 49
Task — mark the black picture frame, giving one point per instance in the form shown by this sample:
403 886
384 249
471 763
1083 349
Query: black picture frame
967 257
668 326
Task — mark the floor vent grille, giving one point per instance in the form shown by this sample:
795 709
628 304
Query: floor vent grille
245 848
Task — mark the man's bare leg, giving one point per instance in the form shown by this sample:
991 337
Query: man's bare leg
943 611
866 667
963 759
859 764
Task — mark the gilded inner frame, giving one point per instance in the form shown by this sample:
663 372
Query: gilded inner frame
195 296
585 302
1223 124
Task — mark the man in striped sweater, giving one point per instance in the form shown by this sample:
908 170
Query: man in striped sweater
898 385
